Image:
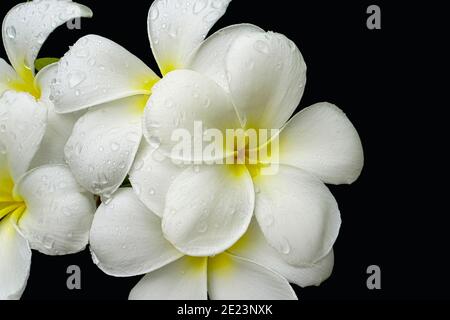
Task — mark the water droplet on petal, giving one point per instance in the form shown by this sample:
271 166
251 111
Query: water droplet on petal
11 32
202 227
199 6
115 146
154 13
285 247
76 79
262 47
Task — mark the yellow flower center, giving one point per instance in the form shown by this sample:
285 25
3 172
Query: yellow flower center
10 204
26 83
253 150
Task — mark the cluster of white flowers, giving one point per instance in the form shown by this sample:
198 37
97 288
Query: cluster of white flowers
195 228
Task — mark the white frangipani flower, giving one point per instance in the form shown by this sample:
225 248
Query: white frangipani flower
206 209
43 209
98 72
126 240
25 29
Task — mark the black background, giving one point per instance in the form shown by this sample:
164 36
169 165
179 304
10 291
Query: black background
377 78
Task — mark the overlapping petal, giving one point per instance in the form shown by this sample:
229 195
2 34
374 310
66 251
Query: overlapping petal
126 237
323 141
208 209
58 212
59 126
176 28
254 247
22 127
184 279
267 76
15 260
151 176
297 214
7 76
97 70
210 57
234 278
103 145
27 26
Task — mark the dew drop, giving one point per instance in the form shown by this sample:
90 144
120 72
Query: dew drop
11 32
285 247
115 146
154 13
262 47
76 79
199 6
138 165
202 227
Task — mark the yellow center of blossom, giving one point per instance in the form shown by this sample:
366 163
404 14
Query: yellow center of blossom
252 150
26 83
11 205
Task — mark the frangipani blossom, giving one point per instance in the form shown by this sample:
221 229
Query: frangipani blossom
43 209
127 240
99 73
25 29
206 209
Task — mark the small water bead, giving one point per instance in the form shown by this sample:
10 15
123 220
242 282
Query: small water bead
154 13
115 146
202 227
199 6
11 32
262 47
75 79
285 247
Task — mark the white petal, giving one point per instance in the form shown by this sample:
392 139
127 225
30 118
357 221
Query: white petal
59 126
126 238
27 26
210 57
59 213
208 209
103 145
15 260
234 278
254 247
184 279
186 100
267 76
44 79
322 140
297 214
151 176
7 76
176 28
22 127
97 70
